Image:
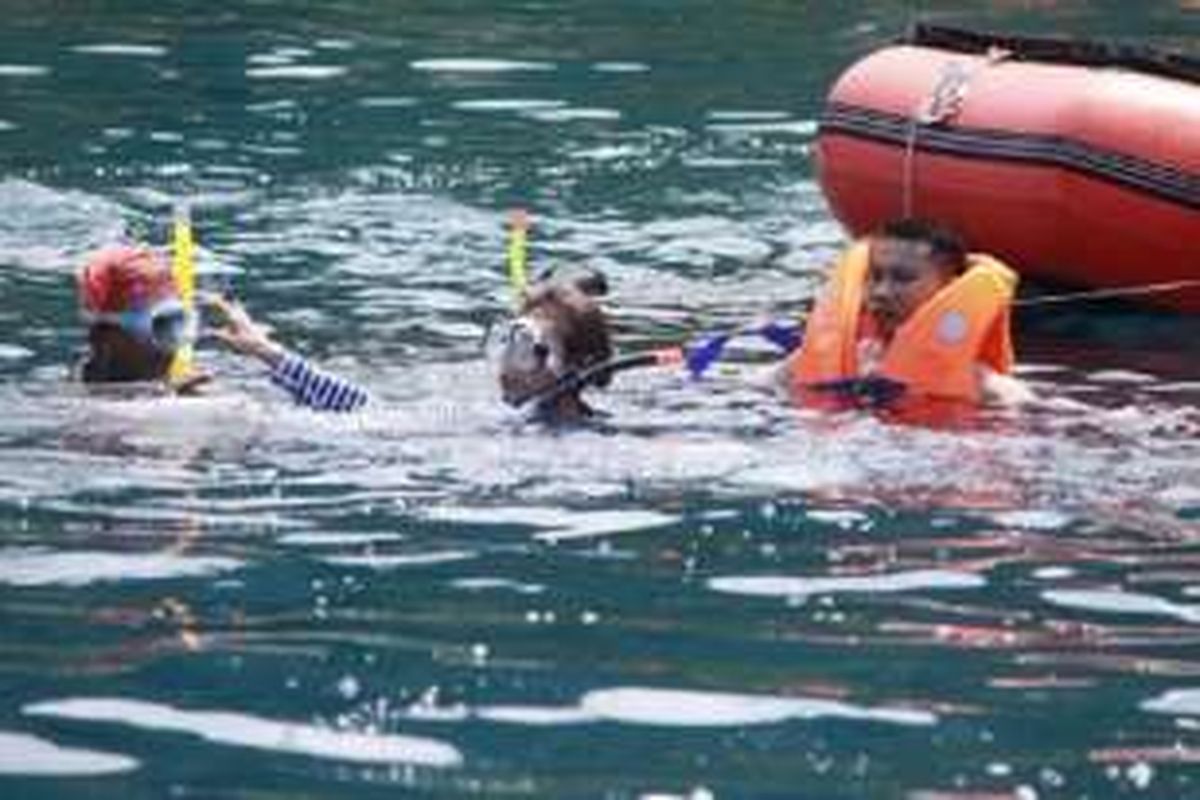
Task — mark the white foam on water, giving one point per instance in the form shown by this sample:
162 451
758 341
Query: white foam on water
560 524
1032 519
674 708
1053 573
1118 602
487 584
620 66
1173 387
243 730
5 125
23 71
536 715
797 586
607 523
608 153
13 352
119 49
388 102
800 127
22 754
508 104
1181 702
710 162
1180 496
799 476
36 567
402 560
1120 376
302 72
269 60
575 114
339 539
748 116
685 708
479 65
842 518
286 105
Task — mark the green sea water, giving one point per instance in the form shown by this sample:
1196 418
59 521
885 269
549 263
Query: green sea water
709 596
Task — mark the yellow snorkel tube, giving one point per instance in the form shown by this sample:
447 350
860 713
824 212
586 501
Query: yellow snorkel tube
518 279
183 270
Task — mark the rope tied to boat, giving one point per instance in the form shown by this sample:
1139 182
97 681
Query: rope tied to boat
1111 292
940 107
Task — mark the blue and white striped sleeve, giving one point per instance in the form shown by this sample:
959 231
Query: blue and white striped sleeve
315 389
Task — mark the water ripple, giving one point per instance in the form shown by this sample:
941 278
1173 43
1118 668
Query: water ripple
244 730
22 754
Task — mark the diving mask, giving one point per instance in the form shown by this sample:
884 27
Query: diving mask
525 348
166 325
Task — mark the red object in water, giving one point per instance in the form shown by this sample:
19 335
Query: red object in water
122 278
1074 162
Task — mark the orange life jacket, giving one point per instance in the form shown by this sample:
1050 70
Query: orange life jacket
934 352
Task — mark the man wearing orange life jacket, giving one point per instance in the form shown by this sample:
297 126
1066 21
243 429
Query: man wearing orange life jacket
910 307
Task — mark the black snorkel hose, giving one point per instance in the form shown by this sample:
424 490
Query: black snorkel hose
540 402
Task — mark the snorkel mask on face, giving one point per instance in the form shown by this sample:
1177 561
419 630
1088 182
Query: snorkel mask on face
526 347
526 359
165 326
133 289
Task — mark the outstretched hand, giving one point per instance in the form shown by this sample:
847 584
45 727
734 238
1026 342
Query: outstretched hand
241 333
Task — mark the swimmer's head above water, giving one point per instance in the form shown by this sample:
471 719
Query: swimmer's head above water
910 261
136 320
560 331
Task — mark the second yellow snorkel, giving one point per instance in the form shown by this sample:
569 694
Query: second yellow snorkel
183 269
518 229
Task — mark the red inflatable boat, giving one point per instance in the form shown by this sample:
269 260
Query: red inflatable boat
1077 163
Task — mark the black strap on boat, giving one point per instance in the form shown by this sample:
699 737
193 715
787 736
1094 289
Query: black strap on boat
1161 180
1059 50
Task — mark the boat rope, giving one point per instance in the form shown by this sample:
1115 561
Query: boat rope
941 106
1115 291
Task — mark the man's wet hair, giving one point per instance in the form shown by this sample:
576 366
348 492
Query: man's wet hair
945 246
588 280
575 317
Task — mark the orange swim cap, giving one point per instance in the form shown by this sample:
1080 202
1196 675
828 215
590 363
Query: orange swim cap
121 278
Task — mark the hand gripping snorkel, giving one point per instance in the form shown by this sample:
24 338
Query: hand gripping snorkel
183 270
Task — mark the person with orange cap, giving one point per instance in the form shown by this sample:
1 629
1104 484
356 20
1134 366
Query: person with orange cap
137 322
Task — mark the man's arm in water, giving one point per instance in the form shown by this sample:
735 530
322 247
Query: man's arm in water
308 385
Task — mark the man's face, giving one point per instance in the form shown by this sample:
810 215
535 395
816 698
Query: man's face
902 276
